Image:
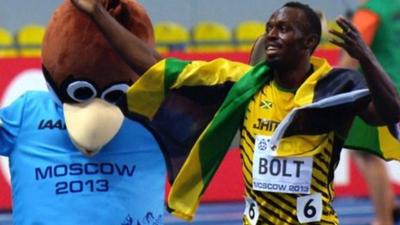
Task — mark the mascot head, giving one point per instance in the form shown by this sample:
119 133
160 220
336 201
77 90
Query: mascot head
85 75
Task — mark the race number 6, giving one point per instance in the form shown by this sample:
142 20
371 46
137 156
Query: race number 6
251 211
309 208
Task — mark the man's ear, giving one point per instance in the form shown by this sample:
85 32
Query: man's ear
311 41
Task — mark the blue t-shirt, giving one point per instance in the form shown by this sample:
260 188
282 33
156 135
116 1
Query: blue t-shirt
54 183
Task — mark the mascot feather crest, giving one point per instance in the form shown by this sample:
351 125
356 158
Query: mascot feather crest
74 45
81 67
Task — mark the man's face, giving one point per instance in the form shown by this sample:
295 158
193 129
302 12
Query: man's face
285 36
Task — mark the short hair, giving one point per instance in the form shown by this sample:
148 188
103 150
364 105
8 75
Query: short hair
314 21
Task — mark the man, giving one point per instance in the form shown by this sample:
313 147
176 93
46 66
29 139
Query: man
288 163
378 23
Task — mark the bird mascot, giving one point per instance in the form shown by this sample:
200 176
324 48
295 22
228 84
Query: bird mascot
75 158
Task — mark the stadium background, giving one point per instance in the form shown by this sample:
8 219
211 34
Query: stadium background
16 13
176 22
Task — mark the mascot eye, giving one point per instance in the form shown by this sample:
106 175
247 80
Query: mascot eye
81 91
113 93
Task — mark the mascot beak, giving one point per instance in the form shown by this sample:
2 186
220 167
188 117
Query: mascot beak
92 124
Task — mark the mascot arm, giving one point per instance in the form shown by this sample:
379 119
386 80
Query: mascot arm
10 123
136 53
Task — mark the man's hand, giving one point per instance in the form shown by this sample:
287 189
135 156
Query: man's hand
350 40
385 106
87 6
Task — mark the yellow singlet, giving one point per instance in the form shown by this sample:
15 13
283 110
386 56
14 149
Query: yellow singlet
265 111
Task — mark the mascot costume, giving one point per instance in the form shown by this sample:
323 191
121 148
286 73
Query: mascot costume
74 157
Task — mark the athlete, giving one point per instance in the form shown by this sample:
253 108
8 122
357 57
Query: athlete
288 169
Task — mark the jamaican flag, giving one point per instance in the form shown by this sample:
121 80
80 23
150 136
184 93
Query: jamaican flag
196 108
382 141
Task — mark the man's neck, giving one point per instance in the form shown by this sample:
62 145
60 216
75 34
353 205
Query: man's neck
293 78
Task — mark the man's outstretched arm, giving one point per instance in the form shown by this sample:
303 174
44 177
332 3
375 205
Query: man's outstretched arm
137 54
385 107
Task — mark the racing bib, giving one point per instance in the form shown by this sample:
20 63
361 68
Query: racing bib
309 208
280 174
251 211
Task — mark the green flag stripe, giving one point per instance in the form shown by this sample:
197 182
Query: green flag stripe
173 67
363 137
218 137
